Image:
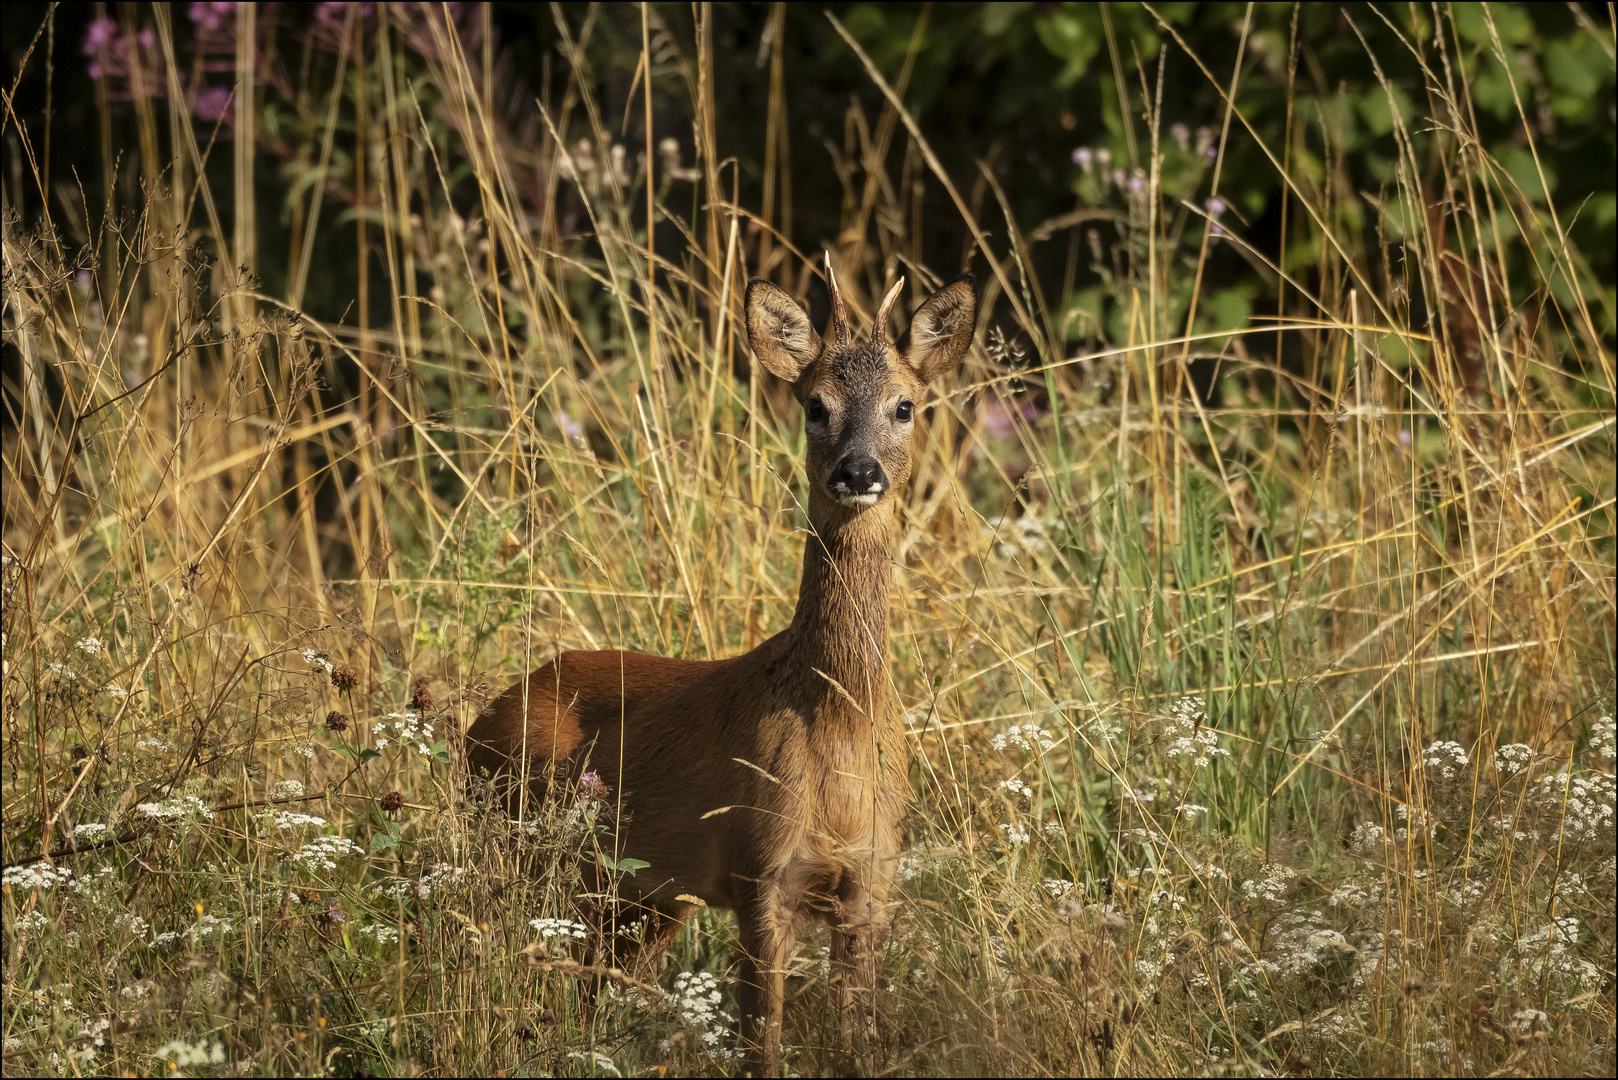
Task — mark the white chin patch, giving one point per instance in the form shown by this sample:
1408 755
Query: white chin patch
868 499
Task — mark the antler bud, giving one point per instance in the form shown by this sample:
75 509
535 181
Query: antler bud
839 317
879 332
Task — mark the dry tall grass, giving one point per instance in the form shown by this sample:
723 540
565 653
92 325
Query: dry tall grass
1265 733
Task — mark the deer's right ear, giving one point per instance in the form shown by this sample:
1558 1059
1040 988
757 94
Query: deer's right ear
779 331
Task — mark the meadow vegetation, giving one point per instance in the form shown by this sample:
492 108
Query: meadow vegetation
1259 667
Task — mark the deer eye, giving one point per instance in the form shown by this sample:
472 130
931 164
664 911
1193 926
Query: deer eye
904 411
816 411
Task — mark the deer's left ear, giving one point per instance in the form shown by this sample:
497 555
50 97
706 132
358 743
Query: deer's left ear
941 332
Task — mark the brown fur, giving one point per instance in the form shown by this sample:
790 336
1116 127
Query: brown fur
769 783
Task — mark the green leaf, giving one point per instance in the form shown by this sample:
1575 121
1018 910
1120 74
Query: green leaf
1227 309
383 841
997 18
1575 66
1072 36
1378 115
623 866
1519 163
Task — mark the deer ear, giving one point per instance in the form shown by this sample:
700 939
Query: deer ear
941 331
779 331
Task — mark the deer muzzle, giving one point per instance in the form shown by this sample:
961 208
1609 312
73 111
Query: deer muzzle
858 481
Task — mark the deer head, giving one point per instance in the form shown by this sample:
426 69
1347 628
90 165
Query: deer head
859 400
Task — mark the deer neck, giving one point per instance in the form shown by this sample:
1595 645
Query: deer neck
841 625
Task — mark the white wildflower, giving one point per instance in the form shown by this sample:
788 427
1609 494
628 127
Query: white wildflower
1024 737
439 878
1169 897
1586 803
1446 757
91 646
1137 795
187 1055
1016 835
559 928
1057 887
1271 883
597 1060
409 729
1105 729
133 925
33 922
1524 1021
182 807
39 875
923 860
1513 758
284 820
1187 732
1017 787
322 852
695 999
319 661
208 926
1368 838
1603 742
87 830
286 789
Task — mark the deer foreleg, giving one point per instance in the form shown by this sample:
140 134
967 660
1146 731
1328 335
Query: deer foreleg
765 927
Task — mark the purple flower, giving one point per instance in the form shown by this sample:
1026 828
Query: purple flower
1404 436
335 15
592 788
1083 156
998 417
336 915
102 33
1213 152
147 39
1182 135
1215 206
1137 183
571 429
211 16
212 101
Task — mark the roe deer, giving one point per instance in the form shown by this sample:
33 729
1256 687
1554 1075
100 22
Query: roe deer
770 783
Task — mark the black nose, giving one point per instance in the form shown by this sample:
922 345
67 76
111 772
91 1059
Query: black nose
859 476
